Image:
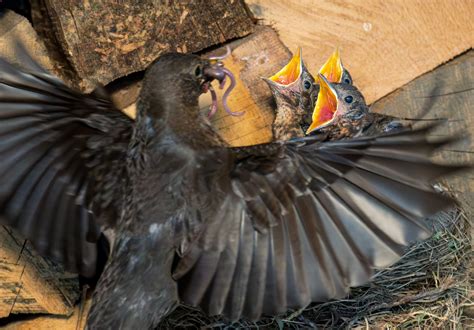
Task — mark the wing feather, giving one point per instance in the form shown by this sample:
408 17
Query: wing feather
63 163
311 220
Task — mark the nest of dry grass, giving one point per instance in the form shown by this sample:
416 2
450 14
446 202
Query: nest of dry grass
429 287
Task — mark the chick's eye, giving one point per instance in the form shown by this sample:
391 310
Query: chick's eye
307 85
198 71
348 99
347 81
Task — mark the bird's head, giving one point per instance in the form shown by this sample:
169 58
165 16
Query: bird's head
293 84
337 103
180 77
175 81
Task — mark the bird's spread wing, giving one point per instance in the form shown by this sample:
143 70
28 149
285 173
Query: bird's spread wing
309 221
62 162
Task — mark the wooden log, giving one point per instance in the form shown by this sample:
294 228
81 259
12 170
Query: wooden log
385 44
105 40
16 29
45 29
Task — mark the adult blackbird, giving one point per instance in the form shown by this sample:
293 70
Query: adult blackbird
237 231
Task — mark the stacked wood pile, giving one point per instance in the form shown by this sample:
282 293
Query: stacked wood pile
384 45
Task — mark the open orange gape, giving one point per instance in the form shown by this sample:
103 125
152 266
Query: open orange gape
290 72
333 68
326 106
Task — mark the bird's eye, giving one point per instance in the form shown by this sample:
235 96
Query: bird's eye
198 71
307 84
348 99
347 81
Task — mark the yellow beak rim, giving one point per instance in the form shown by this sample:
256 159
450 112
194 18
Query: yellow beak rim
290 72
333 69
326 106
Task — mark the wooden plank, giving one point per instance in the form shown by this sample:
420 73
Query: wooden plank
446 92
385 44
105 40
10 246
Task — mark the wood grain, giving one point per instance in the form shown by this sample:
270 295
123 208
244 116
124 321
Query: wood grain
105 40
259 55
10 285
30 283
385 44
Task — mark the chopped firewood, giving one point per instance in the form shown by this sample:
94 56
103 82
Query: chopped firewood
105 40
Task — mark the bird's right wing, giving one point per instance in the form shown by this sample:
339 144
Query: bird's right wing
63 163
304 220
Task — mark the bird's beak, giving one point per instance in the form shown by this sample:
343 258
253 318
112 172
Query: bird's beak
326 106
290 72
214 72
333 68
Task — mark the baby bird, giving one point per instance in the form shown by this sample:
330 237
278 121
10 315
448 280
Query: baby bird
341 112
294 92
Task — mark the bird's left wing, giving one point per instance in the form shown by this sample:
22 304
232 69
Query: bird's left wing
303 221
62 163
